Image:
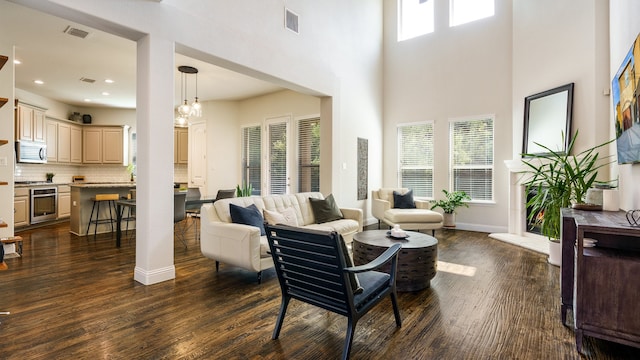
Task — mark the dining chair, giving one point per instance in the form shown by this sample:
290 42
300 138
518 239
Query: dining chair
193 211
179 214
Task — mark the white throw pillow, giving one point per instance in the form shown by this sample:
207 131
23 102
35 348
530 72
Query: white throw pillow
286 217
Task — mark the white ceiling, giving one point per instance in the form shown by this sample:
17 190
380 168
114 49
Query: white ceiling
61 60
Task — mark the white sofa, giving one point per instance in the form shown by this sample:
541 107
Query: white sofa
241 245
420 218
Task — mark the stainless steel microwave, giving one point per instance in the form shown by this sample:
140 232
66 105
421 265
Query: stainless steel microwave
34 152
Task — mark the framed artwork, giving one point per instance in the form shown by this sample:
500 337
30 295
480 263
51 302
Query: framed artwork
363 168
626 96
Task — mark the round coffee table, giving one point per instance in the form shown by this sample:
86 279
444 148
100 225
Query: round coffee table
417 260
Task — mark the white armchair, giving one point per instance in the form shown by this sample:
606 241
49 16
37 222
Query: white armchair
420 218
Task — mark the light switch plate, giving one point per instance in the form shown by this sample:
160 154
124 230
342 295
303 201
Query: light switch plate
3 161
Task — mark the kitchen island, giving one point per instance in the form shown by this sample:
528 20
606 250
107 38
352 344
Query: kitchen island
82 195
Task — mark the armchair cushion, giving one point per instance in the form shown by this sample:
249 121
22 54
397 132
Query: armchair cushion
247 216
286 217
325 210
403 201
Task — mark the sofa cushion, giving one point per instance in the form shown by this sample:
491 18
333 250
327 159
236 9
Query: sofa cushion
403 201
325 210
342 226
399 216
247 216
286 217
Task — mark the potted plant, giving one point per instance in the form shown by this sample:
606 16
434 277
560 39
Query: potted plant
449 204
560 180
244 190
50 177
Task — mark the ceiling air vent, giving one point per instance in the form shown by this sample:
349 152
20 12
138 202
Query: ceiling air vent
291 20
76 32
87 80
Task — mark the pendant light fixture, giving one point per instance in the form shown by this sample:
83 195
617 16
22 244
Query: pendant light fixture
186 110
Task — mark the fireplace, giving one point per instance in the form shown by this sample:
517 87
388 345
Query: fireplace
518 233
531 217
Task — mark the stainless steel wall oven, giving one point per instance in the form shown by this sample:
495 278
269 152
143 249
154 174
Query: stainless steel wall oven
44 204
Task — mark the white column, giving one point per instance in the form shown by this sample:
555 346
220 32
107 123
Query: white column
154 116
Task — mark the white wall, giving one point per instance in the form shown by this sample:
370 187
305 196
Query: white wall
451 73
336 54
555 43
623 29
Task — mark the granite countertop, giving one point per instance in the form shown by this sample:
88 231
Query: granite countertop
36 183
104 185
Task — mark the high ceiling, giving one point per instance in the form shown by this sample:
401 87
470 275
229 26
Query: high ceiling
62 61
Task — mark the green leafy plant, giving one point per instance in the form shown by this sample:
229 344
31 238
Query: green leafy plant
244 190
50 176
559 179
451 201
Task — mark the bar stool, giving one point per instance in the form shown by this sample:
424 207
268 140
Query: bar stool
111 203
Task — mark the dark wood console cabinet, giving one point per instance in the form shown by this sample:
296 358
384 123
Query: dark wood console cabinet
600 284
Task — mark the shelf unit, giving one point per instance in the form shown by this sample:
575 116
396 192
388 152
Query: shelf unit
3 101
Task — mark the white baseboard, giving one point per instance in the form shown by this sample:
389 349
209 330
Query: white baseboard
150 277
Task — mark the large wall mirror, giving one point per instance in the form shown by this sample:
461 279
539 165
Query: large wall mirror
547 116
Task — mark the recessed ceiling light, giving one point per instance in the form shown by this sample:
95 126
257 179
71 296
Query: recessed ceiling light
17 62
87 100
108 81
105 93
39 82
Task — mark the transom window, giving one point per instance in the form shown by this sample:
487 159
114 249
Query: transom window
472 157
465 11
415 18
415 158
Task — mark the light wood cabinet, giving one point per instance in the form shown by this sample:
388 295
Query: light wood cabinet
112 146
30 122
64 201
180 145
104 145
92 145
64 142
52 140
75 156
21 207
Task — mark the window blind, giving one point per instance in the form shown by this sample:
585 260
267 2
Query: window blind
278 158
309 155
415 158
251 161
472 157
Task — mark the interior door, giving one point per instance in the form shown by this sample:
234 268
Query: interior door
277 156
197 165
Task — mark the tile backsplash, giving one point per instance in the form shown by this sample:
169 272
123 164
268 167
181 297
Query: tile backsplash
96 173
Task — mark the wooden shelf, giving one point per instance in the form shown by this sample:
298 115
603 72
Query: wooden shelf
4 142
3 59
3 224
4 183
3 101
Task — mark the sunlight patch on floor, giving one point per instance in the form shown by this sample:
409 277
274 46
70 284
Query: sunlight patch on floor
457 269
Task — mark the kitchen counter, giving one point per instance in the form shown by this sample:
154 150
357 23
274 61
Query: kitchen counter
35 184
82 195
103 185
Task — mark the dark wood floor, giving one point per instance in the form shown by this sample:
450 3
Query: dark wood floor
73 298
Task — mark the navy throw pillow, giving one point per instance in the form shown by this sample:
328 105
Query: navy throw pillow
403 201
247 216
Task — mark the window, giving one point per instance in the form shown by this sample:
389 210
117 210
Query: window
415 18
464 11
277 164
415 158
309 155
251 157
472 157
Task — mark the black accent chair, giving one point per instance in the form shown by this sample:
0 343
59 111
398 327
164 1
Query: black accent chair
311 267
